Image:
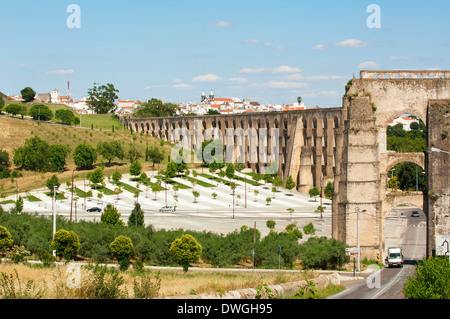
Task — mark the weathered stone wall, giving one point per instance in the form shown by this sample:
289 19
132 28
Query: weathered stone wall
438 168
306 139
372 102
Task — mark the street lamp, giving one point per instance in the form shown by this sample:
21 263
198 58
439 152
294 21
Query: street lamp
437 150
54 215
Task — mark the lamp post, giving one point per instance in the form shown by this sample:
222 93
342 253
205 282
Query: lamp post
54 215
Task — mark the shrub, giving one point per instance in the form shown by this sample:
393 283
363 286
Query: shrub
111 216
431 281
122 248
146 288
186 250
5 239
323 253
66 244
104 284
18 254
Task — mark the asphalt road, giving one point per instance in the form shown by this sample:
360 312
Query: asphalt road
406 232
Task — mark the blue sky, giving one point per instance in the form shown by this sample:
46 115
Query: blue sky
267 51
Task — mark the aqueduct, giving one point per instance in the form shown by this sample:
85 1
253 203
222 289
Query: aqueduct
344 145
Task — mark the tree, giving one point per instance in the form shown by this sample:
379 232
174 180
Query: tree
268 200
299 99
171 170
410 176
271 224
229 172
135 168
58 155
5 164
155 154
137 216
214 195
52 181
102 98
28 94
431 280
122 248
84 156
156 108
256 192
313 192
41 112
2 104
110 215
186 250
38 155
97 176
329 190
116 176
290 184
323 253
66 116
110 150
15 109
212 112
6 240
66 244
196 195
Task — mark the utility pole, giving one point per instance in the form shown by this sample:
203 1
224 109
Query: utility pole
71 202
54 215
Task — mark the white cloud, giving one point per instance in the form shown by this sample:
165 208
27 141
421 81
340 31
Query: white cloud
326 77
320 47
280 69
206 78
252 41
20 65
183 86
368 65
280 85
352 43
403 58
299 76
220 24
239 80
314 94
61 72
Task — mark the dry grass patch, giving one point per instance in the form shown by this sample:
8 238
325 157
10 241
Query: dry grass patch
53 281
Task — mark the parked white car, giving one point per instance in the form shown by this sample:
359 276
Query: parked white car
167 209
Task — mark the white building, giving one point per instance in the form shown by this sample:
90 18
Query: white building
404 120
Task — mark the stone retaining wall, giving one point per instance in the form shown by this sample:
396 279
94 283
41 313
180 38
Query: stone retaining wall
280 290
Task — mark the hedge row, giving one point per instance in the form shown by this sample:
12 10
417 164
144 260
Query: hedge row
151 246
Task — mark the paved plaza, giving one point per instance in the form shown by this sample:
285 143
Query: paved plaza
204 213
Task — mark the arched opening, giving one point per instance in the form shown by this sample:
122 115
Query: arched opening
406 177
406 133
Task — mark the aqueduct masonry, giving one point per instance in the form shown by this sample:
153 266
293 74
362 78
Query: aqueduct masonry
347 146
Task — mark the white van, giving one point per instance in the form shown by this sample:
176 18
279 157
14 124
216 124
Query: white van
394 257
167 209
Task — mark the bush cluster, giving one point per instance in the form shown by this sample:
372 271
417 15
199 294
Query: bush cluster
34 232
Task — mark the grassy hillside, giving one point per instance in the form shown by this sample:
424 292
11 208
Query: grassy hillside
15 131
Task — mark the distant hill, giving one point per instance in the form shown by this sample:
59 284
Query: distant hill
5 98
